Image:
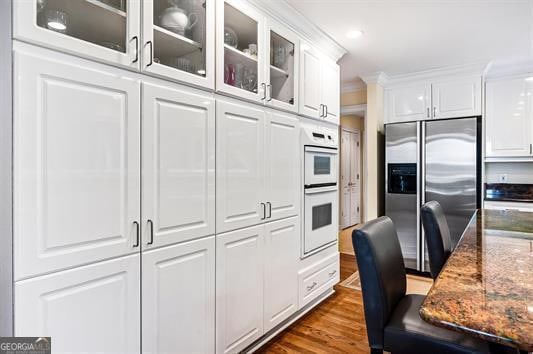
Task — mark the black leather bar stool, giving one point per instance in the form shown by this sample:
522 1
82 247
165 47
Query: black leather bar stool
437 236
392 317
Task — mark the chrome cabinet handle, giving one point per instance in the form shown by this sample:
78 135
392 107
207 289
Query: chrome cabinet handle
434 112
321 110
151 53
136 39
151 224
427 112
137 231
531 149
263 86
325 111
269 92
269 210
332 273
264 211
312 286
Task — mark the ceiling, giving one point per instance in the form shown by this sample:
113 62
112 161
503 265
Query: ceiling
415 35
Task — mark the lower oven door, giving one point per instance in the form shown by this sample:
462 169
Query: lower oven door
320 217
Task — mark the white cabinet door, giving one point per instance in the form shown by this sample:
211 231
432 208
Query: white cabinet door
94 308
187 55
508 120
282 240
76 162
88 28
282 159
457 97
331 91
240 165
410 103
178 164
239 307
310 82
178 298
239 74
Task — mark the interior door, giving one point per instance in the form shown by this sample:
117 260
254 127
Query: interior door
240 51
94 307
282 156
185 53
178 298
345 187
106 31
240 177
310 81
76 162
282 73
457 98
330 88
178 165
410 103
355 185
239 308
282 250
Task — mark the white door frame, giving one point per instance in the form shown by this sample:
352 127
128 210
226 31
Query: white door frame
358 149
360 110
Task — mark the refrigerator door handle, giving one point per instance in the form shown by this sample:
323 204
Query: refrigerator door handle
422 194
418 191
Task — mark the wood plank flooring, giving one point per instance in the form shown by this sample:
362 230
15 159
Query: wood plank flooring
335 326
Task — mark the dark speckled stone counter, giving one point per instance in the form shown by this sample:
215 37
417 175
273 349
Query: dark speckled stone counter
486 287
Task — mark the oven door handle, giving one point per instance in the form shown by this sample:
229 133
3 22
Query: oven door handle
329 151
321 190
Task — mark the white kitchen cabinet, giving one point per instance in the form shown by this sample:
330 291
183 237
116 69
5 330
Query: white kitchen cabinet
330 91
239 307
282 241
509 118
182 53
310 82
408 103
108 32
282 170
455 98
240 165
240 27
178 298
76 162
178 164
93 308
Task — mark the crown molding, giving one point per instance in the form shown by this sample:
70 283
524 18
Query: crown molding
379 78
511 67
287 15
352 86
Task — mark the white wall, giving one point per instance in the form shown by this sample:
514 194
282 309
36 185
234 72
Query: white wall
517 172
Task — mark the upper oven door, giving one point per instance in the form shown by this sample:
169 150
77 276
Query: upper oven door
320 217
320 166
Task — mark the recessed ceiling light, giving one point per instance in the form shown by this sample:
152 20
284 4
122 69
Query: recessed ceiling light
529 78
57 25
354 34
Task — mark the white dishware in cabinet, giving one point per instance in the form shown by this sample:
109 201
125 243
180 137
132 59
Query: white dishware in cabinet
310 82
107 31
178 150
455 98
282 241
282 72
408 103
178 298
76 162
240 50
240 175
179 40
330 94
282 165
94 308
509 117
239 307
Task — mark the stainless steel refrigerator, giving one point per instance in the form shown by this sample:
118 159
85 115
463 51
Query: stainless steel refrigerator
430 160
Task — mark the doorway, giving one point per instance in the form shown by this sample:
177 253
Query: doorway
350 181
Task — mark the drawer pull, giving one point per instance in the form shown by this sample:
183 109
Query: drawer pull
312 286
332 273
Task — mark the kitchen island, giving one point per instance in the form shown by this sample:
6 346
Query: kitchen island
486 286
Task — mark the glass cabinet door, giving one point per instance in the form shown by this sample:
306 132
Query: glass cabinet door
179 39
282 69
105 30
240 52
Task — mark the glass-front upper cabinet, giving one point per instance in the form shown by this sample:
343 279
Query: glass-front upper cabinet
282 68
179 40
240 50
103 30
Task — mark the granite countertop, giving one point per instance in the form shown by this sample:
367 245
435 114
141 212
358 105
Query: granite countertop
486 287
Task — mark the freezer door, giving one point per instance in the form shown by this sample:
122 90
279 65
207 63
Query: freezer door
451 170
401 204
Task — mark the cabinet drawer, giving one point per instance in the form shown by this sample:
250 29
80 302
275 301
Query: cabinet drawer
315 279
